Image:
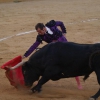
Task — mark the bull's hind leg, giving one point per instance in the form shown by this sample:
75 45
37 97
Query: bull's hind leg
97 71
96 68
95 96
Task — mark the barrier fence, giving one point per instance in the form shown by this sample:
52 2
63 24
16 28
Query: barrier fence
4 1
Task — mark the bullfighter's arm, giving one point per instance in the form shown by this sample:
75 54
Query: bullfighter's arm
61 24
32 48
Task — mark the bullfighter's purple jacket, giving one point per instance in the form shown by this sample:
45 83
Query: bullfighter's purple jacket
57 35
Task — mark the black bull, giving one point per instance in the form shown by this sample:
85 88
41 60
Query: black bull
62 60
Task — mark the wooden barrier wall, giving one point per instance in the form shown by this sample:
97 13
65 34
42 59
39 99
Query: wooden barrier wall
2 1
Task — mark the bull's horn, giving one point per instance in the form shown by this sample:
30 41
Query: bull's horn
16 66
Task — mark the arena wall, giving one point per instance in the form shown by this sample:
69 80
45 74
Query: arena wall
2 1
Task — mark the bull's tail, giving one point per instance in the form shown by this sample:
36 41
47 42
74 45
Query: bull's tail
90 63
91 56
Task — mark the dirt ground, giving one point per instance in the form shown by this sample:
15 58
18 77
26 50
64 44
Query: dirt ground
82 20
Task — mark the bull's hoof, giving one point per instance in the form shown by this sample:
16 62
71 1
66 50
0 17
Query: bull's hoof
92 98
36 89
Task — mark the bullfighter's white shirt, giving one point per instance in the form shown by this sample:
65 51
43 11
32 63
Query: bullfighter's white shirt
49 31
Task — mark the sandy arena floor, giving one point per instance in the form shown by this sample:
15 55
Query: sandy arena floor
82 20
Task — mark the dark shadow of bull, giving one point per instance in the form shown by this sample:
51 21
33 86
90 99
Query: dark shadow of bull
62 60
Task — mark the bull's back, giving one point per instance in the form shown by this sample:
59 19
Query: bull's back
69 49
63 50
64 54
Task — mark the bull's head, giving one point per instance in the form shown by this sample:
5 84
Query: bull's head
30 74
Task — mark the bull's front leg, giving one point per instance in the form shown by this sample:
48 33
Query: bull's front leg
48 74
38 87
